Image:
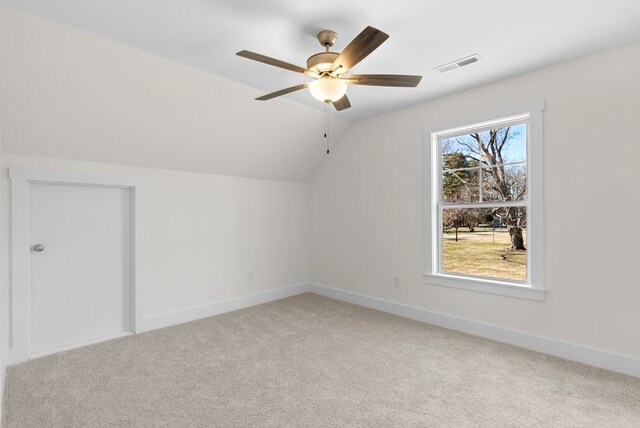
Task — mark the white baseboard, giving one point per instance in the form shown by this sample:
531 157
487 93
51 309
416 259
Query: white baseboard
558 348
107 338
181 316
168 319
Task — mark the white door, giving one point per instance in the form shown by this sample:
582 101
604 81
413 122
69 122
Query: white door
80 265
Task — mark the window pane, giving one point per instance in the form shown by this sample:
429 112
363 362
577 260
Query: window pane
461 186
502 145
504 183
459 152
486 242
515 149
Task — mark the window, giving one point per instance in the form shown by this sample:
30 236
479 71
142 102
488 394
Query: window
484 222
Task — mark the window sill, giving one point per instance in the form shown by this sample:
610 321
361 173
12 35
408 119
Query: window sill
486 286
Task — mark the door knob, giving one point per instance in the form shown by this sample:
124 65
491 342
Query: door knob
38 247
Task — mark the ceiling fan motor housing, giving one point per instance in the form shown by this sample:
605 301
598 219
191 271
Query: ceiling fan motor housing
322 62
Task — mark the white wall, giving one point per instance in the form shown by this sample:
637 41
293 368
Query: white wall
70 94
367 205
203 233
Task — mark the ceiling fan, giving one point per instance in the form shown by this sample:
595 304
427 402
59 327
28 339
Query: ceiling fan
330 69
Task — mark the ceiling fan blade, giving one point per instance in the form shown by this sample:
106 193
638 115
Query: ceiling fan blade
272 61
400 80
342 103
359 48
282 92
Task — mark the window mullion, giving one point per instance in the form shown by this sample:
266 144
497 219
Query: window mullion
481 196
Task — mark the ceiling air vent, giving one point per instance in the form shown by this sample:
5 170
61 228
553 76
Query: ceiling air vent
458 63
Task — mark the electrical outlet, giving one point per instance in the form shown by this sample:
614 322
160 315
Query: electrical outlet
396 281
250 276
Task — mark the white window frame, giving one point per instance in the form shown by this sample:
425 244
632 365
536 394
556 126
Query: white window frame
533 288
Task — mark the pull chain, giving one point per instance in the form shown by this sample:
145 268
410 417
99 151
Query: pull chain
326 126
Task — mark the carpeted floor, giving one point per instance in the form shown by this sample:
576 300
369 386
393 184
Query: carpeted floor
311 361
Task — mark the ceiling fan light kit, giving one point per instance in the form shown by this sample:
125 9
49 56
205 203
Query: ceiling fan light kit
328 89
330 69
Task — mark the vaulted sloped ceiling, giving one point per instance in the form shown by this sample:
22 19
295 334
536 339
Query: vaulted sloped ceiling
510 36
156 82
67 93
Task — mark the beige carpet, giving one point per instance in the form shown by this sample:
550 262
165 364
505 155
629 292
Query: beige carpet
311 361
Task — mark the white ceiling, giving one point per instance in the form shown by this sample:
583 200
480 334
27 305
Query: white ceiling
511 37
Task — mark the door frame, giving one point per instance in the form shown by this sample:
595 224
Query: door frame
21 180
